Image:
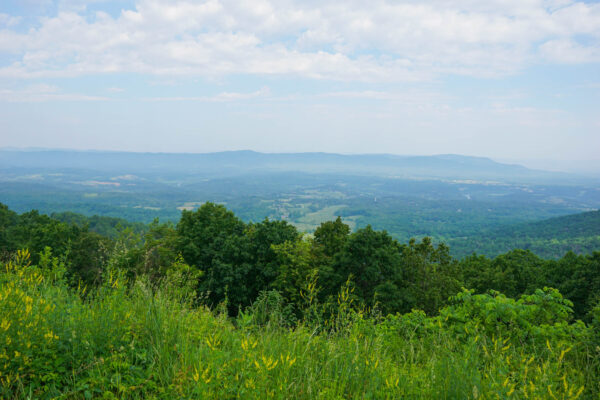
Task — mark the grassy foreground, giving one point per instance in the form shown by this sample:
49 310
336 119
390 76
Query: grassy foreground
131 340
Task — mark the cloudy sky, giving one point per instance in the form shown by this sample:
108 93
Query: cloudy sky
509 79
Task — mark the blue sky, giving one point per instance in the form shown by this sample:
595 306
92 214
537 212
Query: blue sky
515 80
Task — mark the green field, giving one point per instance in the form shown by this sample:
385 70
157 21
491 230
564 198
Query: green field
310 221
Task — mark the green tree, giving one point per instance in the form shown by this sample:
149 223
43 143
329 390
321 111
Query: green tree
156 255
87 257
373 259
430 276
578 278
330 239
296 263
203 233
8 219
261 239
212 240
514 273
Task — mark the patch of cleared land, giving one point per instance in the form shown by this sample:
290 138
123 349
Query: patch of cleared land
310 221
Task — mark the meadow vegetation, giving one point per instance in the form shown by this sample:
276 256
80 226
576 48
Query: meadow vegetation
217 308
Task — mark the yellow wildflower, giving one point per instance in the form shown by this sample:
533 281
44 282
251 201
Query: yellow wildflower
5 324
512 389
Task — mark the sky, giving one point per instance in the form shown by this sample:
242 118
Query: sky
514 80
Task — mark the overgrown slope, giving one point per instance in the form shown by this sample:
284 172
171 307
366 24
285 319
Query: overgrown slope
132 342
550 238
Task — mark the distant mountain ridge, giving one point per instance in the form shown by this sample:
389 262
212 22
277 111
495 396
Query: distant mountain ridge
231 163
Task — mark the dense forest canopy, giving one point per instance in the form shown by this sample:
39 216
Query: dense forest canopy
550 238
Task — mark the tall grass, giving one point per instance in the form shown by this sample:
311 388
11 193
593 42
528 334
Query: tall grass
138 341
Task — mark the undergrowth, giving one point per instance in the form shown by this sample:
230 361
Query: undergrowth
134 340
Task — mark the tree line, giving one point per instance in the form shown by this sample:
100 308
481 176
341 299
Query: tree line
231 263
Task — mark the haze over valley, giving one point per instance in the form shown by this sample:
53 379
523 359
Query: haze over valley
446 197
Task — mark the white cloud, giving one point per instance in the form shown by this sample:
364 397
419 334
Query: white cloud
8 21
219 98
41 93
570 52
413 99
379 40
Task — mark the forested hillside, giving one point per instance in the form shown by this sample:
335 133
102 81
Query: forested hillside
550 238
105 226
214 307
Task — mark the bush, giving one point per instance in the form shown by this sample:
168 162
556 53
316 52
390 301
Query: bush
132 340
